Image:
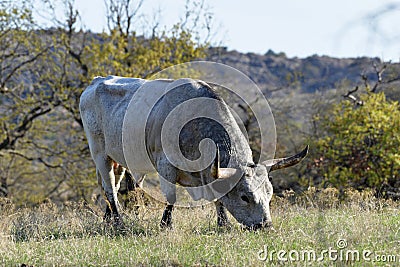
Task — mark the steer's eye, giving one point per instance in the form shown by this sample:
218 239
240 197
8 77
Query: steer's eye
245 198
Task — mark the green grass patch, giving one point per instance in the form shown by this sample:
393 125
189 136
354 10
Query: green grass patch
75 235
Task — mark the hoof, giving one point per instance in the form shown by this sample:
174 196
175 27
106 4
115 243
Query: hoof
227 226
165 225
118 223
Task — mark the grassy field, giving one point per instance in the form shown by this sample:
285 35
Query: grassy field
313 229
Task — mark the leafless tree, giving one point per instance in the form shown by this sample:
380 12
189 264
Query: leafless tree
121 14
372 86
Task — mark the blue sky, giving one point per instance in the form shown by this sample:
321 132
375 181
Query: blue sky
339 28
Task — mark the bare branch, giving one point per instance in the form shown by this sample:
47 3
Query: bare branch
74 114
130 14
353 98
379 72
7 140
393 80
364 77
72 16
45 148
120 15
20 131
22 64
39 159
55 188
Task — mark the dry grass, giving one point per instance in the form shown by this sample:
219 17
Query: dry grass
75 235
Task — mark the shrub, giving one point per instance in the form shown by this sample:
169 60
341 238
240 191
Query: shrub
361 145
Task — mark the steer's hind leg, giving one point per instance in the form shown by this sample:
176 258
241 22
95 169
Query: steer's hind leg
119 173
105 169
107 214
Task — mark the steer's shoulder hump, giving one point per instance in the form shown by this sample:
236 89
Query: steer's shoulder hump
115 86
194 87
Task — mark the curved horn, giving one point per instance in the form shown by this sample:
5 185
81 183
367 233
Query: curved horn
215 167
222 173
281 163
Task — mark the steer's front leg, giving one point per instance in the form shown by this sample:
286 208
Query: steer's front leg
222 218
167 175
166 221
169 191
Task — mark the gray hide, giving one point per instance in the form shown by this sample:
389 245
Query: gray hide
103 106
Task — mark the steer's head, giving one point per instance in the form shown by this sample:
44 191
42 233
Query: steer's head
249 200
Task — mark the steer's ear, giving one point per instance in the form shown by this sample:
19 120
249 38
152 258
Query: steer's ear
277 164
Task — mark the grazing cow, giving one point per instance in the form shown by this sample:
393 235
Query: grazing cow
232 179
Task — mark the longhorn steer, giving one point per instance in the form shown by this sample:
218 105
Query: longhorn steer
103 106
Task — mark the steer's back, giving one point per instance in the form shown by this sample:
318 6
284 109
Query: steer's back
102 106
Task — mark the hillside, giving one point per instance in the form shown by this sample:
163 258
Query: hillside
274 70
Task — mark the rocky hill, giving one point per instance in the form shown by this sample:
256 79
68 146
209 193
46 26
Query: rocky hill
273 71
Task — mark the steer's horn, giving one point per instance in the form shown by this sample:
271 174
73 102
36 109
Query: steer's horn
221 173
277 164
215 167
